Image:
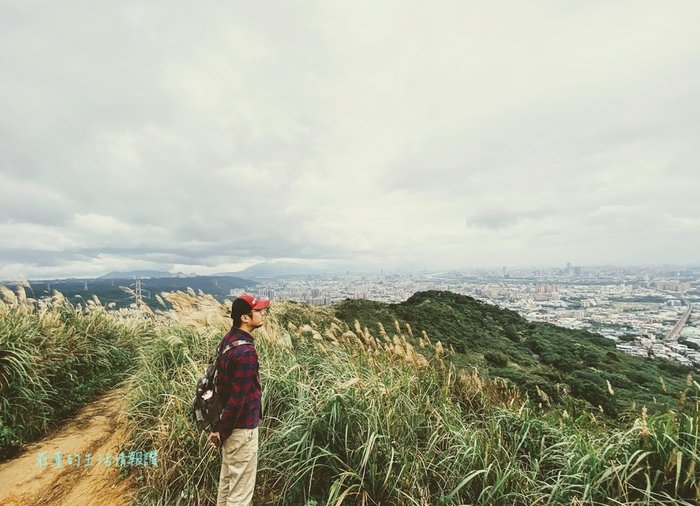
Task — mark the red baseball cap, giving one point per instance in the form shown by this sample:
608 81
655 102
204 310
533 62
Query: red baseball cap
245 303
254 302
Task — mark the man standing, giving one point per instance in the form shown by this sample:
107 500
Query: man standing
238 384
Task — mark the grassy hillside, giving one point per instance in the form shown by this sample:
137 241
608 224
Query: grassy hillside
353 413
54 358
357 416
536 357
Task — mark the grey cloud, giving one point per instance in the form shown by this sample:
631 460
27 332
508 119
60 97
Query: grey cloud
558 143
501 218
28 203
40 257
176 133
495 219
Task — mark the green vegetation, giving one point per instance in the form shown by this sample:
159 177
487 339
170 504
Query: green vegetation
353 416
541 356
689 344
384 411
54 357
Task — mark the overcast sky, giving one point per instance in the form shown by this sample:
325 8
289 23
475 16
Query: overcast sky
208 136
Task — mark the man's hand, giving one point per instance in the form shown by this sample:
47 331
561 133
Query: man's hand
214 439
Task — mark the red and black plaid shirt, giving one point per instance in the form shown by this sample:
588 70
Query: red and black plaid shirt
238 383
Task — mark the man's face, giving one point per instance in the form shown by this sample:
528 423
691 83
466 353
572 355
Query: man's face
256 317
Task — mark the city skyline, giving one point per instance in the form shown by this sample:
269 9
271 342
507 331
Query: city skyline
646 312
263 271
211 138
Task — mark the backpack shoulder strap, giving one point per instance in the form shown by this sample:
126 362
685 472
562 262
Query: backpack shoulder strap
220 353
232 345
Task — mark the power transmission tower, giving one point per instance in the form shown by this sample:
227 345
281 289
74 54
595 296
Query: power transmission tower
137 292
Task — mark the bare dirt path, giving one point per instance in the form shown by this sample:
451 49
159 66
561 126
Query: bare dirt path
76 465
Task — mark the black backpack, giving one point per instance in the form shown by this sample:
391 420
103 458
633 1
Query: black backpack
206 405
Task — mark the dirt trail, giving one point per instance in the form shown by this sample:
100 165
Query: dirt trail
41 477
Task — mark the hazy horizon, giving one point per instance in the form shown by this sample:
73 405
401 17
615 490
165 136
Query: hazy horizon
207 138
510 269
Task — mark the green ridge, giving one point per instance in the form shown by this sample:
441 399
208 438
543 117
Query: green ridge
531 355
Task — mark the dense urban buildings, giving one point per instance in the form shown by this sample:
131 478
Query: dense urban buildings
648 311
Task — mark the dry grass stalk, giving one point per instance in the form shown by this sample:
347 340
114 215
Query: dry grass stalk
473 380
193 310
610 388
470 385
382 331
350 383
644 431
8 296
21 294
58 298
358 328
397 326
439 350
335 329
543 395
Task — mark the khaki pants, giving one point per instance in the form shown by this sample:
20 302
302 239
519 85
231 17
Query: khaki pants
239 463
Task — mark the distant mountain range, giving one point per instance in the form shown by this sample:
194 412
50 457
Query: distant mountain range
274 269
108 289
142 274
260 270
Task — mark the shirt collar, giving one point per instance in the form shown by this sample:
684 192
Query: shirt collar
235 334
